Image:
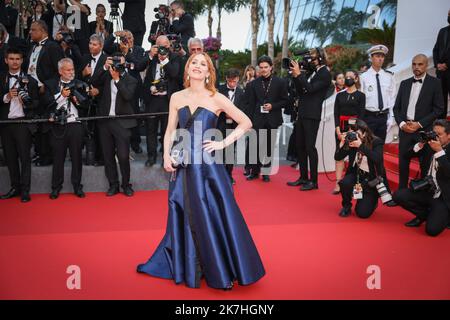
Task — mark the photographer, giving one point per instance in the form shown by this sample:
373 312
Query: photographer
136 62
70 48
161 81
182 22
429 199
20 97
117 99
66 98
312 82
134 18
363 177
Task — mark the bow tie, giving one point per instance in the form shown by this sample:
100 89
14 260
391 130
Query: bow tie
417 80
93 59
231 90
13 76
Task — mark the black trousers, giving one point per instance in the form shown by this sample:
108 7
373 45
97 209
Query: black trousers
292 146
16 140
42 143
365 206
422 204
69 136
135 139
115 140
377 123
445 82
406 142
306 136
157 104
264 155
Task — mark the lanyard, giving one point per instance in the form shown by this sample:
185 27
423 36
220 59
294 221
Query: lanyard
266 90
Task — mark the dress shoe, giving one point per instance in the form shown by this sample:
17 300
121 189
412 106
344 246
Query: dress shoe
416 222
345 212
79 192
246 172
336 190
309 186
25 197
266 178
54 194
11 194
297 182
252 177
128 191
150 162
391 203
113 190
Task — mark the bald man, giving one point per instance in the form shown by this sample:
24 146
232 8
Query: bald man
419 102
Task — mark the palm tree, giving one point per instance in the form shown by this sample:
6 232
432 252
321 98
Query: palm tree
386 36
287 12
254 11
270 26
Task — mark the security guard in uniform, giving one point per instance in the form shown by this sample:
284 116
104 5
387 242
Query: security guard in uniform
379 87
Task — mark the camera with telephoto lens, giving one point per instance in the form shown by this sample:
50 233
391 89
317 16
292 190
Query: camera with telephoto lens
175 40
162 25
350 137
383 193
60 116
159 86
67 38
114 4
427 136
78 89
163 50
117 65
304 58
425 184
22 90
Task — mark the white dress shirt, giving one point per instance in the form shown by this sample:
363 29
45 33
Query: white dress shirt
94 62
112 109
32 68
58 21
413 97
368 82
16 107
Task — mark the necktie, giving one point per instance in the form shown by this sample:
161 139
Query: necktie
380 96
417 80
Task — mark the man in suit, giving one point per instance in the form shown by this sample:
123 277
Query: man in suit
161 81
43 65
9 19
16 138
433 204
92 66
441 59
68 133
266 96
312 87
134 19
117 99
419 102
182 22
234 92
55 17
136 58
9 41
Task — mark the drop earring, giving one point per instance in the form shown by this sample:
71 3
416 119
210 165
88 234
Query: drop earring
207 80
188 78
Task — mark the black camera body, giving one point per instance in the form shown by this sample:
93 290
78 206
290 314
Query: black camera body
67 38
78 89
162 25
427 136
304 59
117 65
425 184
114 4
163 51
60 116
22 90
175 40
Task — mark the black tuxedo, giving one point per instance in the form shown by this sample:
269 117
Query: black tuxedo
311 93
155 103
367 205
134 19
441 54
13 42
115 134
16 138
276 93
96 79
48 17
9 18
429 107
184 27
436 211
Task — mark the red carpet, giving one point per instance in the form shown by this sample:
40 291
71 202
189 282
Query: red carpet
308 251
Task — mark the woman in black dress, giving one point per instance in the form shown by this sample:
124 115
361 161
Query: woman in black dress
349 104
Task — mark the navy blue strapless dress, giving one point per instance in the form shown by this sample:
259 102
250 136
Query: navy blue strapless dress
206 234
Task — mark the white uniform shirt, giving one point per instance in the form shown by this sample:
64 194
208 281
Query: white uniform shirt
369 88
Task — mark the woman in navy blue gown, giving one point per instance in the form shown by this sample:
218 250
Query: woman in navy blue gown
206 235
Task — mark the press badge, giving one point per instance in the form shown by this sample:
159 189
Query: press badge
264 111
357 192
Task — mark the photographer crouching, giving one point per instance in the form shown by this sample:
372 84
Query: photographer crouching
161 81
429 198
363 180
66 98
